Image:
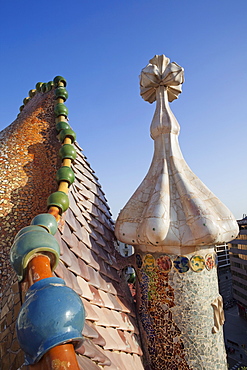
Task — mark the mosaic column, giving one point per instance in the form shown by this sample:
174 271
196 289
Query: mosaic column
174 221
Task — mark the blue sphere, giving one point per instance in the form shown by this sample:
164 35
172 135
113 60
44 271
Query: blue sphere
52 314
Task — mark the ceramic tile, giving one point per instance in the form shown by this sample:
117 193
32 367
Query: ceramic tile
95 247
107 361
120 339
94 261
116 302
74 283
62 272
65 257
73 204
66 231
83 269
99 340
82 251
135 346
80 149
128 361
97 300
108 313
89 332
104 255
70 219
86 291
90 313
83 221
90 350
92 221
103 284
107 301
86 364
123 304
124 321
137 362
109 285
94 277
82 235
126 340
104 319
72 241
181 264
110 338
116 361
58 238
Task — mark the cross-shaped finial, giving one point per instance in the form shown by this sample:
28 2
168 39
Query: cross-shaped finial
160 72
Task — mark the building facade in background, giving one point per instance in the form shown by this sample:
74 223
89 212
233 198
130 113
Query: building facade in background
224 274
238 259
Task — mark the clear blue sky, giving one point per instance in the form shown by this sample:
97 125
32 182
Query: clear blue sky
101 46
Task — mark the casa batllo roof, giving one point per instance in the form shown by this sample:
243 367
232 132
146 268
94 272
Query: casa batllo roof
89 262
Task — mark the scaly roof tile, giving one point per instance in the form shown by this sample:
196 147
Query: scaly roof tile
116 361
83 269
86 363
89 349
94 277
89 332
86 291
97 300
90 313
111 342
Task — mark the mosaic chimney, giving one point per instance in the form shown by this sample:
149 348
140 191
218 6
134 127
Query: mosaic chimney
174 221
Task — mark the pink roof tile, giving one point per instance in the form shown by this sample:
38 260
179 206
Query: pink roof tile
86 363
99 340
116 361
103 317
94 261
89 349
134 344
97 300
70 219
86 291
90 312
110 319
65 257
128 361
112 341
84 269
105 297
82 251
123 321
94 277
89 332
137 362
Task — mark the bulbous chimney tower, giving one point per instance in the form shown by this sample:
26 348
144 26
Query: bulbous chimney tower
174 221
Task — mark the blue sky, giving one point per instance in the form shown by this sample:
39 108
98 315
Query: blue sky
101 46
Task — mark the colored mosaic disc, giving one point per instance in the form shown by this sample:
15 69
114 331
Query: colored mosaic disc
148 263
181 264
209 261
197 263
138 261
164 263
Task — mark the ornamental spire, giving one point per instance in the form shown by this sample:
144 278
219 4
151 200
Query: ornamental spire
171 209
